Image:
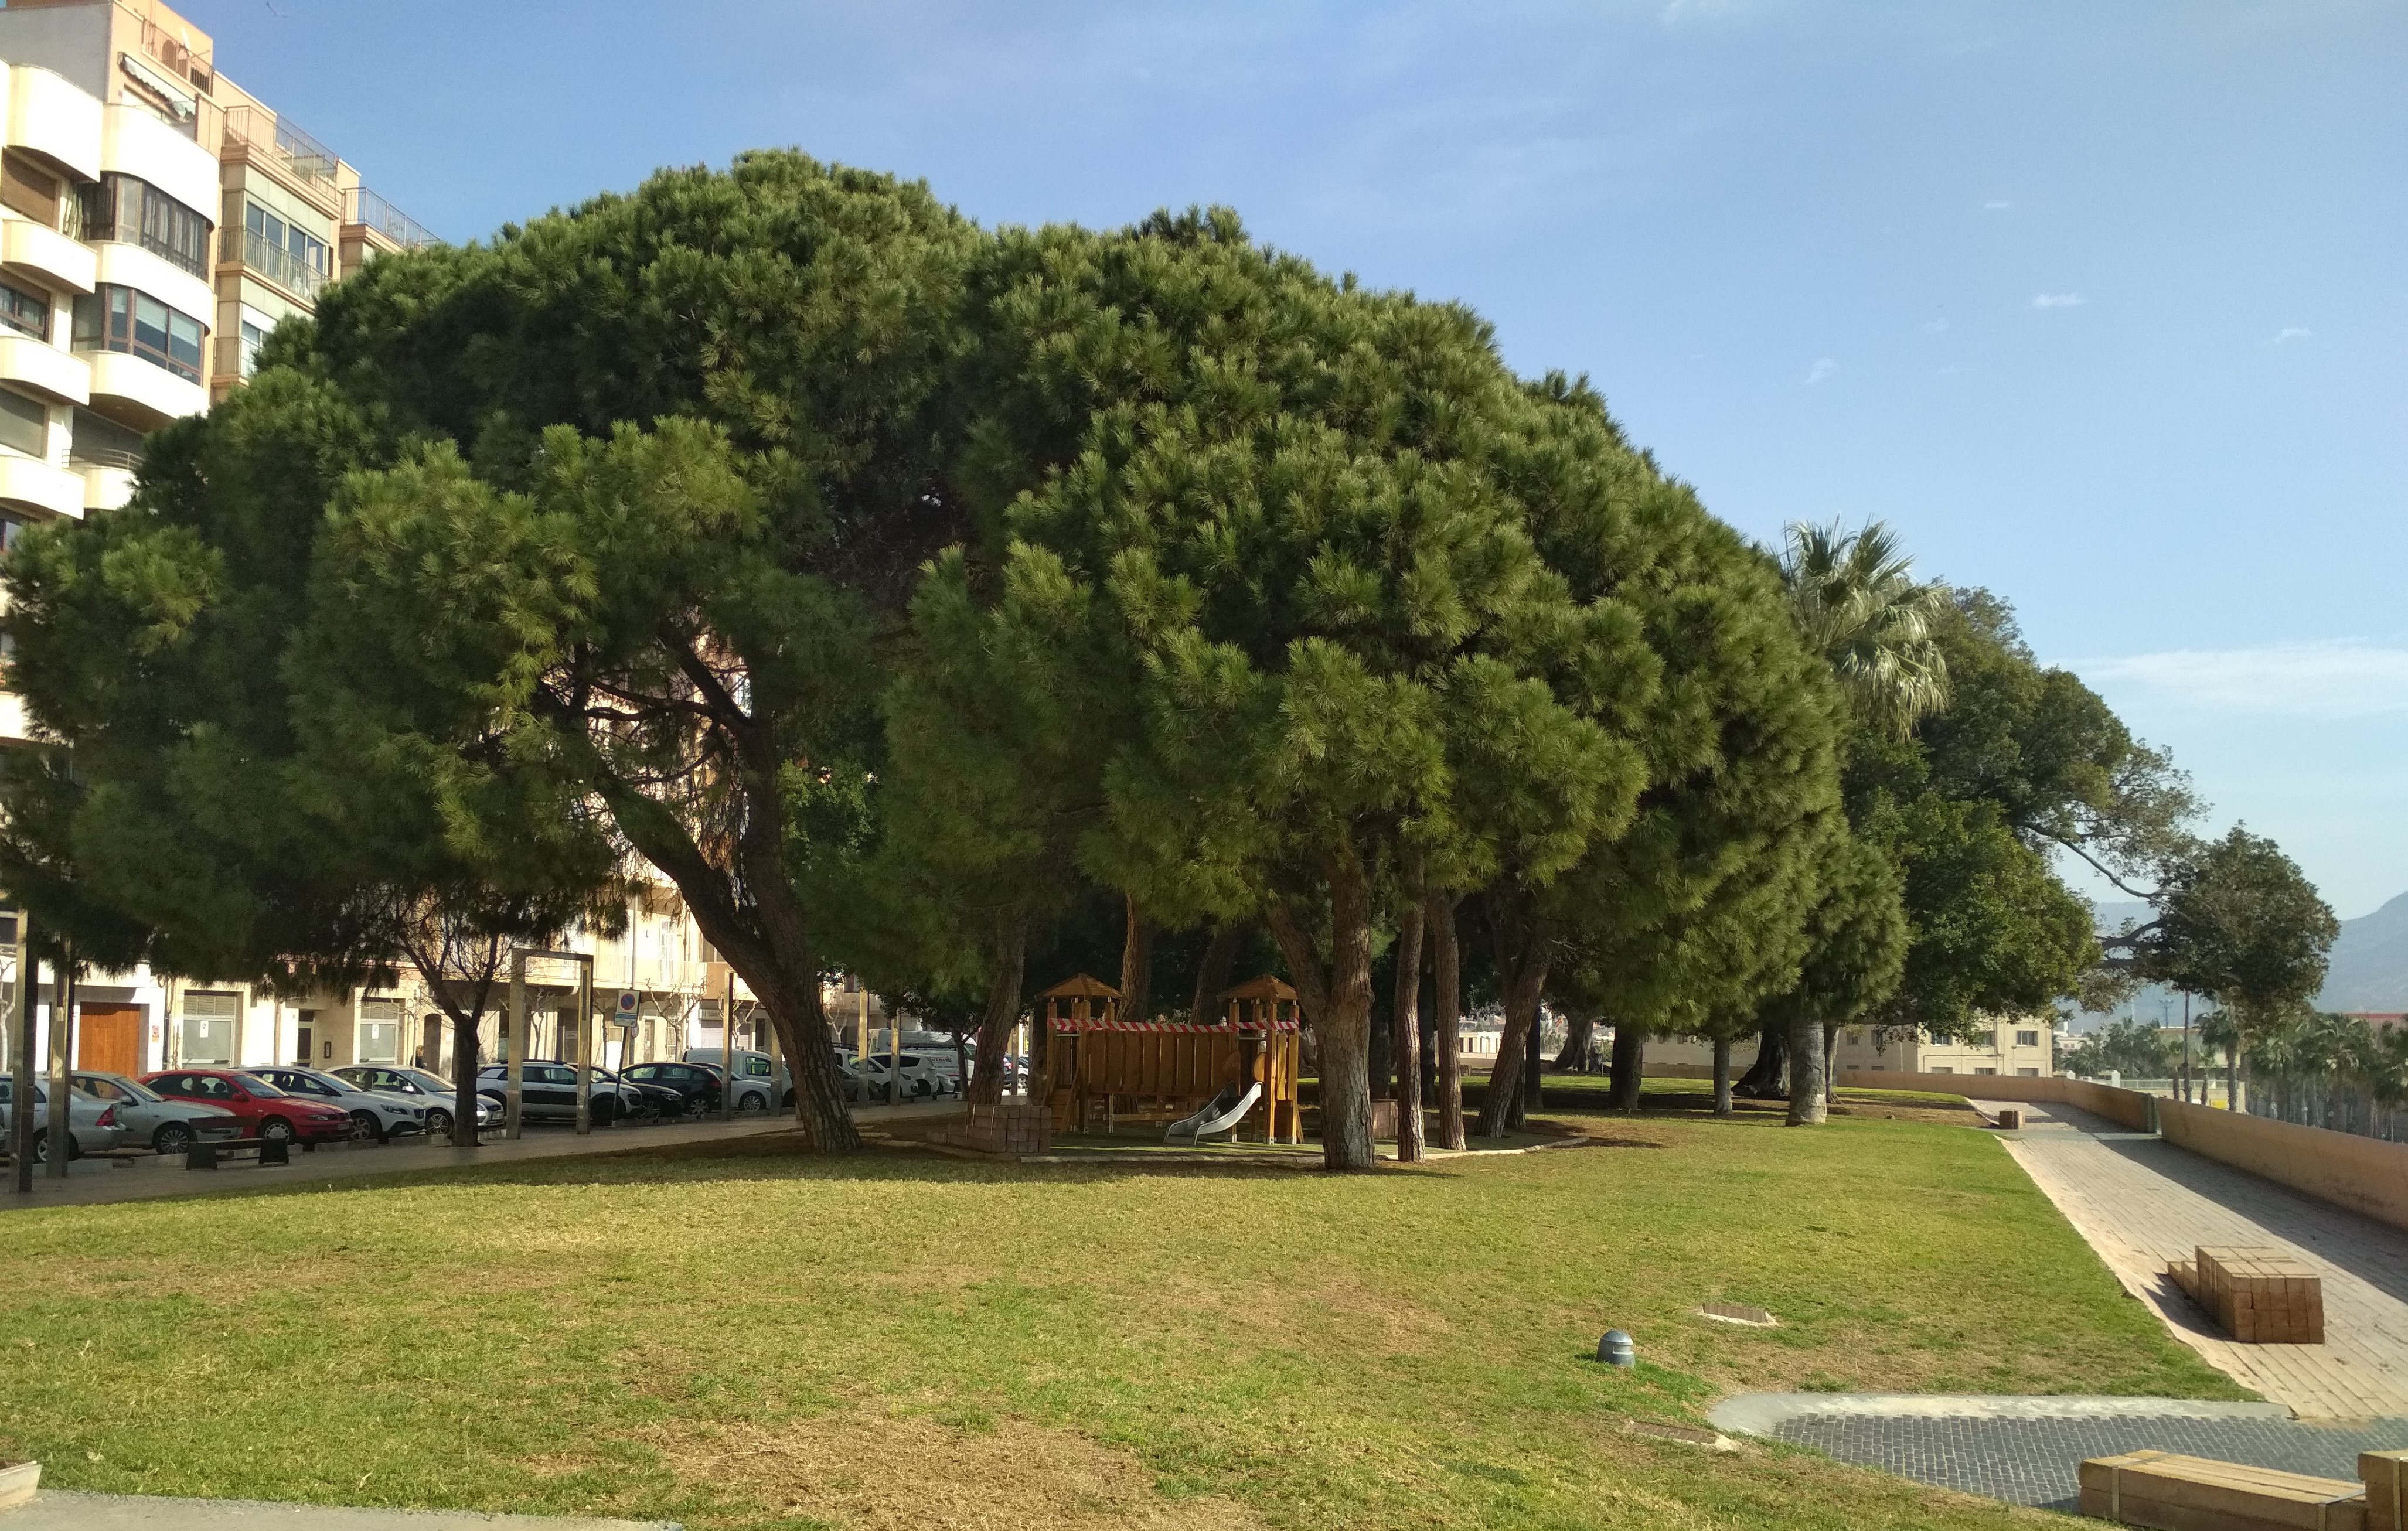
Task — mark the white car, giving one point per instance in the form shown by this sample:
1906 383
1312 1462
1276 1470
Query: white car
380 1117
755 1077
91 1124
428 1091
151 1119
919 1080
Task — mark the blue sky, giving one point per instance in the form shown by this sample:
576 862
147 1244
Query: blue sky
2104 306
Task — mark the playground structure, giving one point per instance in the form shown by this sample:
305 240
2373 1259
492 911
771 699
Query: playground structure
1102 1070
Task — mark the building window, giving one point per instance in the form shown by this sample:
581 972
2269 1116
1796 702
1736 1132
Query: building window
102 442
131 210
26 188
252 339
1984 1070
1943 1068
379 1040
24 425
290 256
207 1029
1856 1036
2028 1073
11 530
24 313
123 320
2027 1039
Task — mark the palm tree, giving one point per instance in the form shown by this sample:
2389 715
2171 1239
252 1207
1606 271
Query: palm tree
1854 596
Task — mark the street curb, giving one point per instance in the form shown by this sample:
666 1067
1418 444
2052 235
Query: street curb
1762 1413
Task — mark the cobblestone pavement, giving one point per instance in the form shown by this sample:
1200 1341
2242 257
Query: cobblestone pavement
2032 1461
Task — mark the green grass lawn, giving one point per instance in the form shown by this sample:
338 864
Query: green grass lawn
746 1339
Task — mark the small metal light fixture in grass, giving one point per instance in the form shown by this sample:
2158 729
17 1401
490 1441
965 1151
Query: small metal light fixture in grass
1616 1350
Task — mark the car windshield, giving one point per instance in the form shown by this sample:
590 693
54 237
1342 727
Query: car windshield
112 1088
339 1085
257 1086
428 1083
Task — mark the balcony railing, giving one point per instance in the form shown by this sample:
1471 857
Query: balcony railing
104 457
365 207
267 136
279 265
191 63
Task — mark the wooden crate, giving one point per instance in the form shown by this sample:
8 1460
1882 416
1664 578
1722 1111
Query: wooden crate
2386 1476
2010 1120
2260 1296
2177 1493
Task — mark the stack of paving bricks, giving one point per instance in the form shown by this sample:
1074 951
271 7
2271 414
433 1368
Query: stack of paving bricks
2258 1296
2193 1494
1012 1126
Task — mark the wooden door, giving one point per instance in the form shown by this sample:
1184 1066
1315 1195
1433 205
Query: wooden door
109 1039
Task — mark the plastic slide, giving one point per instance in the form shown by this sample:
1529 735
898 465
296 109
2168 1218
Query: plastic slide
1219 1117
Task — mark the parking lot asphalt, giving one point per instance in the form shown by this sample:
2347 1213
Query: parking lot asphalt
68 1510
151 1177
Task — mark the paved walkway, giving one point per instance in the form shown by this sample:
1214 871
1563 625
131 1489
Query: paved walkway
2142 1202
67 1511
149 1177
2026 1450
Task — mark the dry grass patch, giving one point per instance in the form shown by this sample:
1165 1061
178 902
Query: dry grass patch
864 1470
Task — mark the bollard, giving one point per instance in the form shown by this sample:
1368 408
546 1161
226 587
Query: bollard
1616 1349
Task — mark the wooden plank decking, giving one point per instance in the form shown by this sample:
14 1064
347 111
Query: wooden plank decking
2142 1202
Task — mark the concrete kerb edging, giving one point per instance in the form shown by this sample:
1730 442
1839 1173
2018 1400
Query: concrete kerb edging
74 1510
1762 1413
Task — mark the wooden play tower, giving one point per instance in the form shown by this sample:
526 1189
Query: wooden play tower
1102 1070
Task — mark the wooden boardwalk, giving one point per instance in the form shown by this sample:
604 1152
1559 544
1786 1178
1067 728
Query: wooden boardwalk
2142 1202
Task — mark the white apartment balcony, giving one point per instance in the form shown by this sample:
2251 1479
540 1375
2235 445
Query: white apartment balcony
141 392
28 483
136 142
38 368
45 257
105 486
121 265
50 117
12 719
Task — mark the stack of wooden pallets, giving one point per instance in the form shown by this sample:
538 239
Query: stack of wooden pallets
2260 1296
2194 1494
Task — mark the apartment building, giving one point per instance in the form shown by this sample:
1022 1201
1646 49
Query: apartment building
2025 1046
156 222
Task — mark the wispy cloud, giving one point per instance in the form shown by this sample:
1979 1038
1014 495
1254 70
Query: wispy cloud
1936 326
1823 367
2057 300
2329 681
1997 204
2289 333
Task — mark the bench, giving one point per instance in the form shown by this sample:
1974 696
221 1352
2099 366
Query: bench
2176 1493
2386 1476
205 1153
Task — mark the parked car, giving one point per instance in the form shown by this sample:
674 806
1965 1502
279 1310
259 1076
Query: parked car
91 1124
550 1091
642 1098
151 1119
263 1111
421 1087
380 1117
755 1079
697 1085
919 1080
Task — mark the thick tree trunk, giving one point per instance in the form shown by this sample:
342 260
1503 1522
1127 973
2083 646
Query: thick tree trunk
1005 975
1762 1080
1722 1075
1513 927
1806 1108
1137 964
1629 1067
1580 1041
1212 977
1407 1029
1336 997
463 1081
1446 1005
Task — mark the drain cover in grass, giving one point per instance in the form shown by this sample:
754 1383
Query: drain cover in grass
1737 1312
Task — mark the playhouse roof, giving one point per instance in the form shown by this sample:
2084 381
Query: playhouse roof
1264 987
1081 987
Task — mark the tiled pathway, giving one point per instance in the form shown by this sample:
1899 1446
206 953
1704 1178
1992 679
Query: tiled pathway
2142 1202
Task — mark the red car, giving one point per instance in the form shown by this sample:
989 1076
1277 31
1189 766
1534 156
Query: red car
263 1111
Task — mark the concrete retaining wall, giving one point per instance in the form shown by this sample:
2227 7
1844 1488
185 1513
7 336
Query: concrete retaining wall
2366 1174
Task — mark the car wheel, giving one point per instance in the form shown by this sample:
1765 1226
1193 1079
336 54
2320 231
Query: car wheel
175 1138
276 1130
366 1126
41 1145
753 1100
438 1124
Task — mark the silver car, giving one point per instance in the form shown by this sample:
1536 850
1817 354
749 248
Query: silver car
91 1124
422 1088
152 1120
379 1116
